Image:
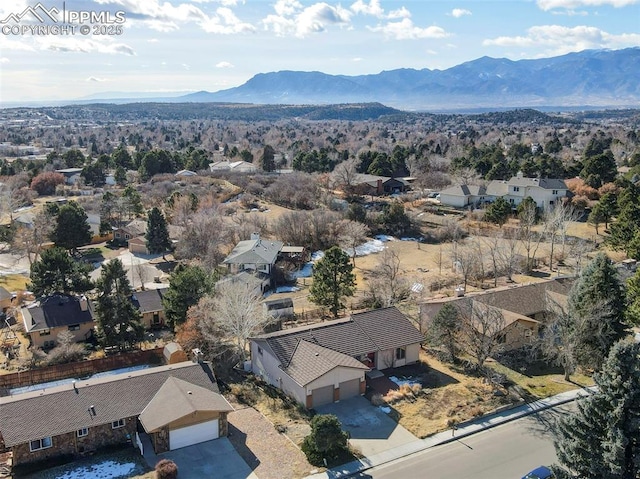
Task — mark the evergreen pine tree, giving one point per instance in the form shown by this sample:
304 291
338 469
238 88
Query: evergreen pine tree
72 228
186 286
118 319
333 279
57 272
598 296
157 235
602 439
443 330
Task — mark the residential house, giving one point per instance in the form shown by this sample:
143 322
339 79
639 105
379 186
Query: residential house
6 299
71 175
149 303
461 196
256 254
327 362
254 282
279 308
545 192
175 405
522 309
94 224
184 173
133 235
374 185
233 166
44 320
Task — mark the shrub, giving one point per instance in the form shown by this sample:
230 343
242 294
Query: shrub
45 183
326 441
166 469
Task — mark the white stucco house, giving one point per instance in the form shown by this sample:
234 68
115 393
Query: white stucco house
326 362
461 196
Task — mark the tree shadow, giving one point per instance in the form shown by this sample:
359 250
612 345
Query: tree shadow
239 441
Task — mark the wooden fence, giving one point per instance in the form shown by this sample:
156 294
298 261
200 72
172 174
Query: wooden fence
79 369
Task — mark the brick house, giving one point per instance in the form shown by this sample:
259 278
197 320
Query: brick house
47 318
176 405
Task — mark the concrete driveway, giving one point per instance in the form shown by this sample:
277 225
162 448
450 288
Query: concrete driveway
216 458
371 430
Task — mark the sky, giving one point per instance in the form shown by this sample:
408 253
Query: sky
89 47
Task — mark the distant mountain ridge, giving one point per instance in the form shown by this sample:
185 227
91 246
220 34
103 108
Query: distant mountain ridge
605 78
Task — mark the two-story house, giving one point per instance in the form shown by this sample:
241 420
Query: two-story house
546 192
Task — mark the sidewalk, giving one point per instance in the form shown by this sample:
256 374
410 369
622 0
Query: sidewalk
462 430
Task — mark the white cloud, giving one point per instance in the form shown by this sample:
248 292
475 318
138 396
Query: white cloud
15 45
224 65
572 4
371 8
356 59
459 12
96 79
83 45
399 13
558 39
225 22
287 7
313 19
406 30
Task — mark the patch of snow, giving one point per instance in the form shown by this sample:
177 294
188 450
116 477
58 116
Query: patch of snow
287 289
385 409
384 238
370 247
103 470
408 238
400 382
305 272
317 255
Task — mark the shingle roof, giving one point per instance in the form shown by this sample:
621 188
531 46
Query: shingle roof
4 294
55 311
176 399
63 409
464 190
255 251
149 301
310 361
546 183
360 334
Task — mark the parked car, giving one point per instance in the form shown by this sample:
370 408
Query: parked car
542 472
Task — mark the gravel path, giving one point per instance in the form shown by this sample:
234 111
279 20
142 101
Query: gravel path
270 454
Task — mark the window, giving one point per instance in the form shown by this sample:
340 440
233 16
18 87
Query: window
259 350
516 188
82 432
528 333
117 424
39 444
554 192
117 235
511 201
74 327
126 236
156 318
45 333
401 353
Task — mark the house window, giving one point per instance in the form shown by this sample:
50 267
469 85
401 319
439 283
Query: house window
117 235
74 327
48 344
82 432
527 333
126 236
39 444
117 424
259 350
511 201
45 333
554 192
401 353
516 188
156 318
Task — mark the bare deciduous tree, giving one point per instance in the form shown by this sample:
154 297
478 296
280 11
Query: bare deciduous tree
352 234
482 329
344 175
386 286
30 241
529 235
508 254
233 314
203 236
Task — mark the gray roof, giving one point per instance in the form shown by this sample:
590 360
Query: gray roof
4 294
311 361
360 334
497 188
464 190
176 399
55 311
149 301
254 251
63 409
546 183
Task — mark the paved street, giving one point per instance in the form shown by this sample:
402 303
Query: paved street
504 452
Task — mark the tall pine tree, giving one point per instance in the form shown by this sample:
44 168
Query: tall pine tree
602 439
72 228
333 279
118 319
598 296
157 235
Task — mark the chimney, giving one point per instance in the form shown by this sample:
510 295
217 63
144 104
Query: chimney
197 355
519 174
92 410
84 304
255 236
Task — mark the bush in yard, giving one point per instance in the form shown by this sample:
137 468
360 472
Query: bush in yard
326 441
166 469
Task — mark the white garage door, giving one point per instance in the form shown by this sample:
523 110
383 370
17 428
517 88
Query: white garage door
322 396
187 436
349 389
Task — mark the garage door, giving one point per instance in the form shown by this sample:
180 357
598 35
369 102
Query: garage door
187 436
322 396
349 389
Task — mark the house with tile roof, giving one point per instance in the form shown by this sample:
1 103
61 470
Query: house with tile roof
327 362
175 405
521 308
44 320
